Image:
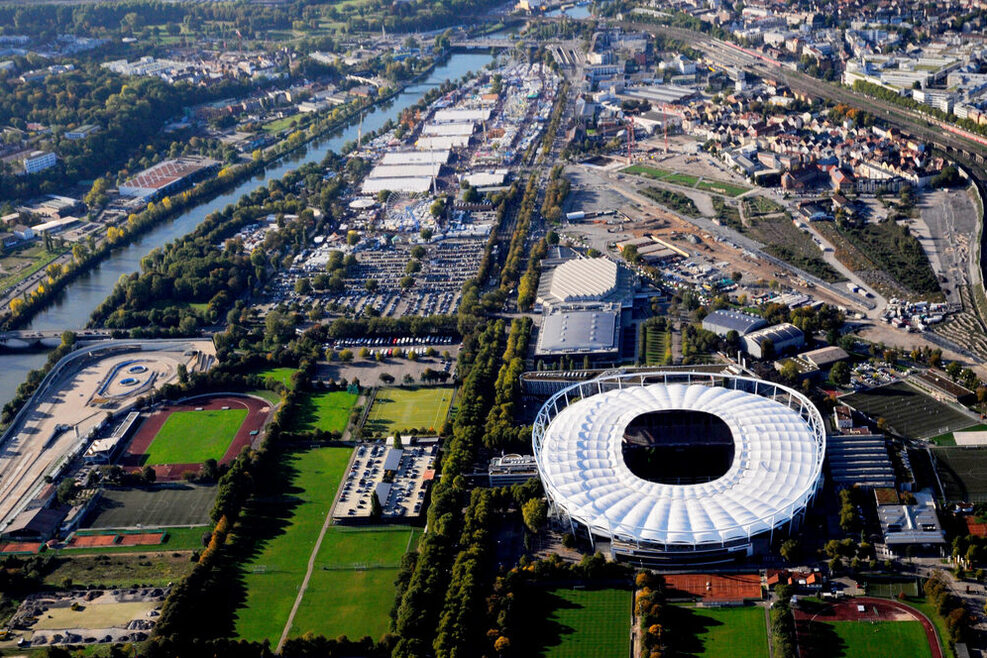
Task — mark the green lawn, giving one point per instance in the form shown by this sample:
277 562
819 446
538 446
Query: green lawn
850 639
407 408
192 437
587 623
949 438
282 124
328 411
728 189
292 523
354 578
720 632
270 396
282 375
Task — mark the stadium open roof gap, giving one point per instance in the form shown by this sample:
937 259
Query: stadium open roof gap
678 446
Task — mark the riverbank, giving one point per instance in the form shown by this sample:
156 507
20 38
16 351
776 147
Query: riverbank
22 309
73 306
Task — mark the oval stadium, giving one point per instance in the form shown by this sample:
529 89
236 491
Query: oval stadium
679 467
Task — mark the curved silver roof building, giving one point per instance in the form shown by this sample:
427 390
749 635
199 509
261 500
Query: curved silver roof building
771 472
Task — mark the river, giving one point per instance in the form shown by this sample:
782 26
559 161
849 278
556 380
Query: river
78 300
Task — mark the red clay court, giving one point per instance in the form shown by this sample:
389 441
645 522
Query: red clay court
257 414
116 539
712 587
848 610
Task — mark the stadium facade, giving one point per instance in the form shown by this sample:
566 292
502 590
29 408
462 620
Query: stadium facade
672 467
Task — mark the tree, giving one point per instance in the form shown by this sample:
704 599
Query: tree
346 355
426 234
352 237
630 254
953 369
303 286
371 285
789 550
438 208
535 513
839 374
148 474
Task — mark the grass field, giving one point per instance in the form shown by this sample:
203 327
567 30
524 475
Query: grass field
761 205
685 180
727 189
657 346
265 394
290 526
891 589
328 411
354 577
407 408
192 437
120 570
163 505
587 623
719 632
908 412
851 639
963 472
282 375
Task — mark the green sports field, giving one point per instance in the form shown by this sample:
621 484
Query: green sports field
352 586
852 639
587 623
328 411
287 527
720 632
192 437
282 375
407 408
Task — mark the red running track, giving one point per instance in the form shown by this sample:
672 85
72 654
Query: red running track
257 414
875 610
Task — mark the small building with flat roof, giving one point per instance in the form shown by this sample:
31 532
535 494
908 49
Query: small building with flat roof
511 469
912 529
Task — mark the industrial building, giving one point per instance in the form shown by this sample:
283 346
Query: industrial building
168 177
722 322
783 337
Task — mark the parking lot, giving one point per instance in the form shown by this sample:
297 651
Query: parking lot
399 477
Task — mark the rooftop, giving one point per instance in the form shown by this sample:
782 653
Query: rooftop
578 332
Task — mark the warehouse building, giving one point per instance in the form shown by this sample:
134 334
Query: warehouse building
168 177
784 337
581 332
410 185
442 142
722 322
460 115
449 129
405 171
415 157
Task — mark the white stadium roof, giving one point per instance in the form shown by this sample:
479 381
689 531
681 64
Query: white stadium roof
775 471
584 279
405 171
442 143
